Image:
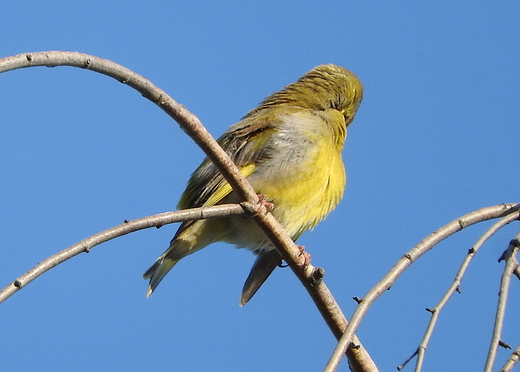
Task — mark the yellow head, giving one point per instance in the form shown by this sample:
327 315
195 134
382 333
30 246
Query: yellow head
324 87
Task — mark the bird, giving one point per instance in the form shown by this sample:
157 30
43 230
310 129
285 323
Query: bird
289 149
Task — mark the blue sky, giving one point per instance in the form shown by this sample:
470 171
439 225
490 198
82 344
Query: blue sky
434 139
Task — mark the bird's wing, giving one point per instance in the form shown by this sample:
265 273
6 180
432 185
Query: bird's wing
245 143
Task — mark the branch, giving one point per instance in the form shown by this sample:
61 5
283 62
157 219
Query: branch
127 227
455 286
310 276
511 265
511 362
410 257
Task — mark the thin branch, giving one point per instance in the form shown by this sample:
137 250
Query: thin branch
410 257
512 361
400 367
455 286
127 227
188 122
310 276
511 265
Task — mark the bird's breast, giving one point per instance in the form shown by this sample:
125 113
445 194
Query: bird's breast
304 175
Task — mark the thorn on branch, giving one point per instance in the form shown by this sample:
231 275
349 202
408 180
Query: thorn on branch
504 345
513 244
517 272
159 101
357 299
458 289
471 250
431 310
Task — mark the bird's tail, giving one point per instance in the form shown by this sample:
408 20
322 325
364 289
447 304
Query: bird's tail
264 265
158 271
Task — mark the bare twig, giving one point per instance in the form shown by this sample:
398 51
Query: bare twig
512 361
455 286
127 227
400 367
410 257
358 357
511 265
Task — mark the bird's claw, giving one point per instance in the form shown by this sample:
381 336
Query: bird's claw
306 256
262 199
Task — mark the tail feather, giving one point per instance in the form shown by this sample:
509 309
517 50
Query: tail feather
157 272
264 265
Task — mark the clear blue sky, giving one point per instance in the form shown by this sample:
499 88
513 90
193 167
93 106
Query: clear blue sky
436 137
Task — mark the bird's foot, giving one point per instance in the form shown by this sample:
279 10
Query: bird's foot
306 256
262 199
255 209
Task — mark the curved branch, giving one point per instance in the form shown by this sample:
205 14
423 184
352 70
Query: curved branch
189 122
455 286
127 227
511 265
410 257
310 276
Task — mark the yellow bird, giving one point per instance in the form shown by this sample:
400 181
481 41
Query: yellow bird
289 149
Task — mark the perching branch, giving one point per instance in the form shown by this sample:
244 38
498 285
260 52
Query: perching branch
309 275
511 265
455 287
410 257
